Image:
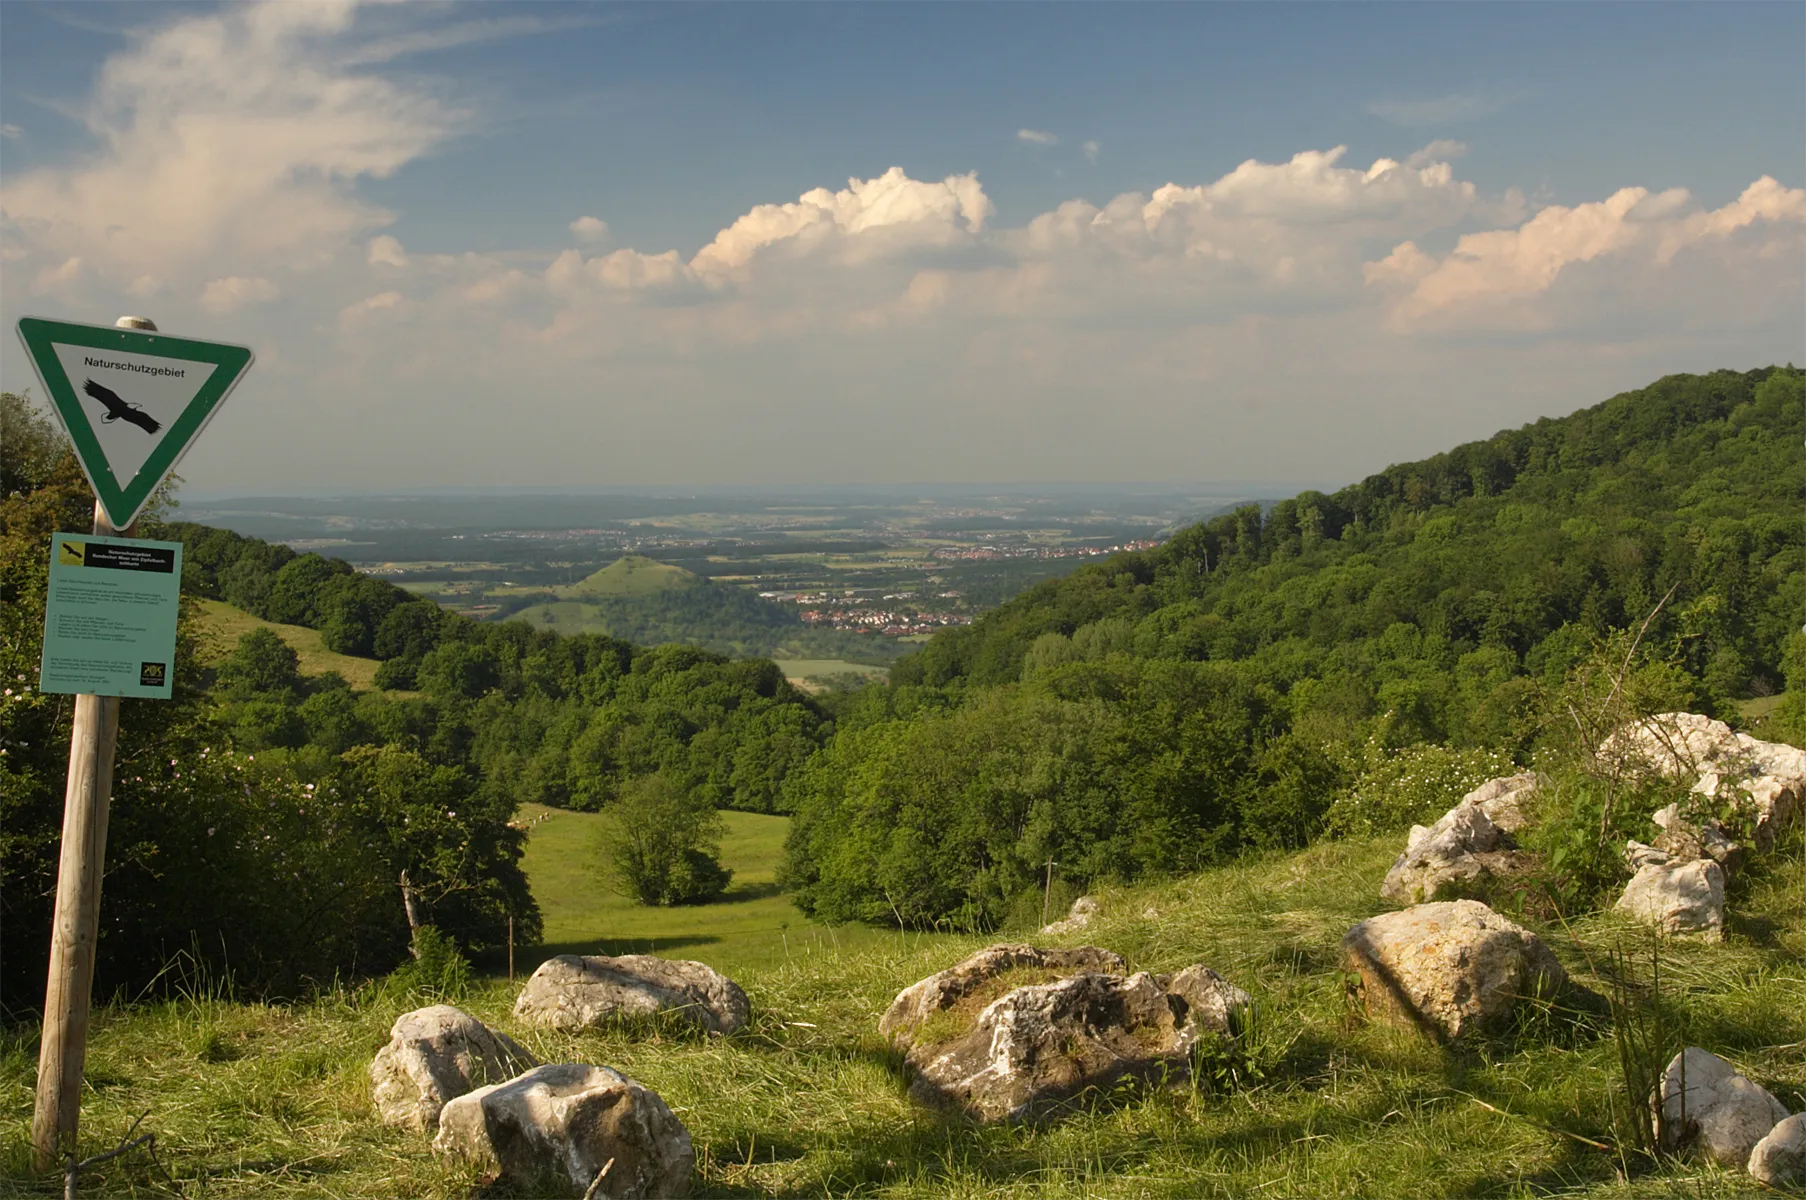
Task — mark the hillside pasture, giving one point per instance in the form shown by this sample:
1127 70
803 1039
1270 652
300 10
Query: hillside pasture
753 925
222 625
631 575
273 1100
563 616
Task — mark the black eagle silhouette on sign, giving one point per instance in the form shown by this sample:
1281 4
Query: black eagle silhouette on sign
119 408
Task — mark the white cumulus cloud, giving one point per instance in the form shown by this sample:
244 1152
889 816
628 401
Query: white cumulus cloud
371 305
232 139
593 230
1440 150
865 218
1037 137
1494 277
1295 314
386 251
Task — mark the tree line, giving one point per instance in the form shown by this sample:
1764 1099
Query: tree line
1231 687
287 829
1334 663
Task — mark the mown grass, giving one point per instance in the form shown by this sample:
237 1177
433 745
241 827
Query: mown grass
222 626
264 1100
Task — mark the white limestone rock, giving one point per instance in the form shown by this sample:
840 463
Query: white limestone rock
1767 779
976 974
1452 968
1779 1159
435 1055
575 992
555 1129
1077 918
1679 897
1033 1046
1683 839
1506 800
1715 1108
1469 842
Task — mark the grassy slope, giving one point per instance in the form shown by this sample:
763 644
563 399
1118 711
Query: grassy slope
630 575
274 1101
225 625
753 926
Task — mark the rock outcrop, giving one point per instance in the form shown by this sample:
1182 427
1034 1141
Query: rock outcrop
435 1055
1767 779
1077 917
556 1128
1506 800
1779 1159
574 992
1469 842
1678 896
1684 839
1703 1100
1452 968
978 974
982 1038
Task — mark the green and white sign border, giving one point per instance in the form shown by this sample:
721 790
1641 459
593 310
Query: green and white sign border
41 335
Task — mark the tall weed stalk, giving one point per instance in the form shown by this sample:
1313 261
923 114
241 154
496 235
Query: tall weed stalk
1645 1041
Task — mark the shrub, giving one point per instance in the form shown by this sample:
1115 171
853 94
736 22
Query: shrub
437 972
665 844
261 664
1396 789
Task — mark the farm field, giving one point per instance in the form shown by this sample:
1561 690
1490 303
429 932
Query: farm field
816 668
911 554
225 624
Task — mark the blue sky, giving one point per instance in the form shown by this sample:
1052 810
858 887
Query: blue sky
429 162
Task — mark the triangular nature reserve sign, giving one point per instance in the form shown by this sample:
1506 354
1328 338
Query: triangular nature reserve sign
132 401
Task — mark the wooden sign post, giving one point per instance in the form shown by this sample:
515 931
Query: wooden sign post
75 928
132 401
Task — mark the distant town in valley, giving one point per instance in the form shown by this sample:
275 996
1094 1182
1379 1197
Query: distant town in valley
846 579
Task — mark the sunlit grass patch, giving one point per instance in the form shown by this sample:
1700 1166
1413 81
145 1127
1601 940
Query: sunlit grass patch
254 1100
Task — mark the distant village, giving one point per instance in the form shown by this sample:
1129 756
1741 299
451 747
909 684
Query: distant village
991 553
885 622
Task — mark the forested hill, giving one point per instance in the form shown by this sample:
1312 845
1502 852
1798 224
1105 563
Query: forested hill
1583 521
1261 678
284 827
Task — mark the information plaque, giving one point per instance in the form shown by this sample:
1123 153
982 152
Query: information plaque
110 616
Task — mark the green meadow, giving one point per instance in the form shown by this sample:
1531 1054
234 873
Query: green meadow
222 625
816 668
753 926
631 575
273 1100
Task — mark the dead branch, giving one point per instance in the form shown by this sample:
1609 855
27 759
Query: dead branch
73 1168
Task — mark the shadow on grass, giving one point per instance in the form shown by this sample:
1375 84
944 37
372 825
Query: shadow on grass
740 892
1760 930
